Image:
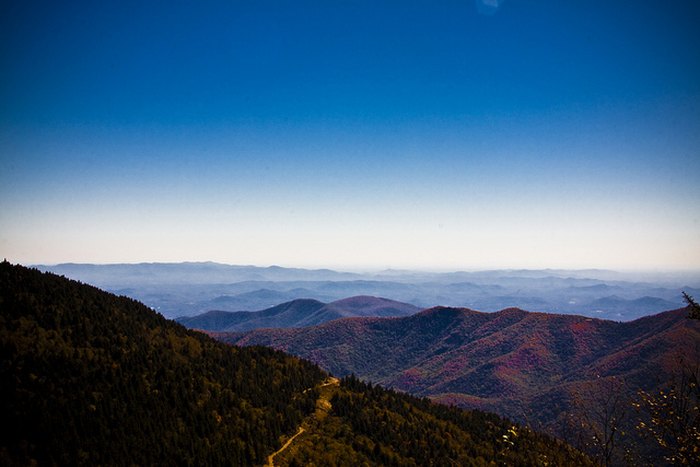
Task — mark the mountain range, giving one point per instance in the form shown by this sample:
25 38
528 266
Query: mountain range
298 313
188 289
90 378
527 365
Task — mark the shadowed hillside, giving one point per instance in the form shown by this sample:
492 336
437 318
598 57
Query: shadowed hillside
91 378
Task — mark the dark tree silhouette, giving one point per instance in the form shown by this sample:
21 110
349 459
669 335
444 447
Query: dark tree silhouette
694 312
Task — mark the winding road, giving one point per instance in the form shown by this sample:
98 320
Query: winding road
323 401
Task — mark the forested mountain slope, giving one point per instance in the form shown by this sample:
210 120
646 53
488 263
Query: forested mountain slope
370 425
519 364
89 378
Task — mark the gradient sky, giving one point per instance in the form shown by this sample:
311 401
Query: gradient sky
357 134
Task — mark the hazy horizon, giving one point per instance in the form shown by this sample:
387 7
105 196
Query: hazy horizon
187 289
656 274
445 135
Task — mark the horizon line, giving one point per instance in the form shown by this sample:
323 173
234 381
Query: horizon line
377 269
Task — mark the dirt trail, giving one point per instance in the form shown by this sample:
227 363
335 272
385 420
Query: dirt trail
271 457
323 405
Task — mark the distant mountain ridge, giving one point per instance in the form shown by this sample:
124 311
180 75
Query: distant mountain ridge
512 361
188 289
206 272
298 313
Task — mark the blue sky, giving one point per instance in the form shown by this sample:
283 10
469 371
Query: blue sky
441 134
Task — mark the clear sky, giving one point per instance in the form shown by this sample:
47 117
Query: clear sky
425 134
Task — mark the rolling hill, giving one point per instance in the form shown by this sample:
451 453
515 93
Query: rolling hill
89 378
526 365
297 313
